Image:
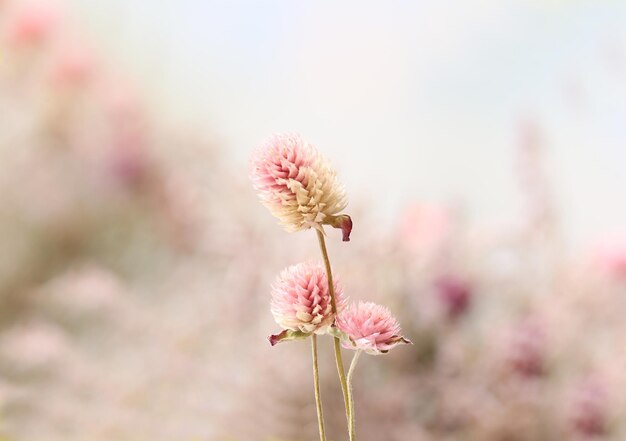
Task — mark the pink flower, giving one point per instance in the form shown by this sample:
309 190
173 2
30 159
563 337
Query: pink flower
72 66
590 409
301 301
31 24
454 294
296 183
370 327
609 256
527 349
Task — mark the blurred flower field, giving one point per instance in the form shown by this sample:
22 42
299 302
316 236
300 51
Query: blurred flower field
136 262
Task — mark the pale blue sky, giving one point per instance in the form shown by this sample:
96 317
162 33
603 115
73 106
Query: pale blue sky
413 100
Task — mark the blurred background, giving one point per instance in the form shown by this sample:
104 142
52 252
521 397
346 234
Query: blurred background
481 144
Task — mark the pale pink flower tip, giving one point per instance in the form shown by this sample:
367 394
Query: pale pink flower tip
301 301
370 327
296 183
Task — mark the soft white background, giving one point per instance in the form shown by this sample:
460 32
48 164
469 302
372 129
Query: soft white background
413 101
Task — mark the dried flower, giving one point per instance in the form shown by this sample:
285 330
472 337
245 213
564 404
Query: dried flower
301 303
370 327
298 185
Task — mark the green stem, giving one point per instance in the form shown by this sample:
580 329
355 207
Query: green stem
333 302
352 426
316 385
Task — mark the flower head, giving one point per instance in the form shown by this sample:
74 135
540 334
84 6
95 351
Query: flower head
297 184
301 301
370 327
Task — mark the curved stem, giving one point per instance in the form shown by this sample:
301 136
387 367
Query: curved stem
352 427
316 385
333 302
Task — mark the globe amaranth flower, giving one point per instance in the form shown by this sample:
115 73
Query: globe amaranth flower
298 185
369 327
301 303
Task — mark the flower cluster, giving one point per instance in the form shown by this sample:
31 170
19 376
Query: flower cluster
296 183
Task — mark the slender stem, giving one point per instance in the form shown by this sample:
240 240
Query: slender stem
333 302
342 377
316 385
329 271
352 427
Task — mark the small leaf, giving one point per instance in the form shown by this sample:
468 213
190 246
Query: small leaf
399 339
287 335
343 222
395 341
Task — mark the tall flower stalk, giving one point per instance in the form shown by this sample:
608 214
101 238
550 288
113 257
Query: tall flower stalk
316 387
337 341
352 422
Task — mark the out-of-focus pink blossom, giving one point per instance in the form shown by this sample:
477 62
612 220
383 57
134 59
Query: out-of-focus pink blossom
454 294
71 67
128 160
31 24
85 293
424 227
301 300
121 104
370 327
589 410
526 349
296 183
609 256
35 346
